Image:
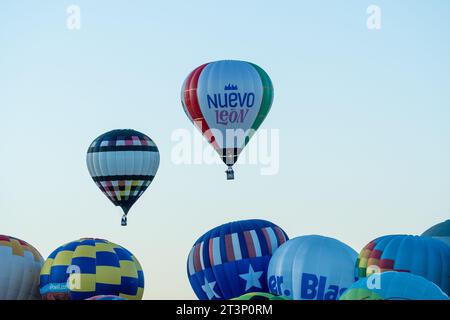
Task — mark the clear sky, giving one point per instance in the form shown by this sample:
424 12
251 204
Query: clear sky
363 117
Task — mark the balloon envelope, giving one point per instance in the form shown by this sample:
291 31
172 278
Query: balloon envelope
227 100
20 265
123 164
106 297
231 260
422 256
393 285
260 296
89 267
441 231
312 268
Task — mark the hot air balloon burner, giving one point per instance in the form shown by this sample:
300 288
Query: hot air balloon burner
230 173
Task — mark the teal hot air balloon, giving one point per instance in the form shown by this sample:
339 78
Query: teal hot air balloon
422 256
441 231
123 163
393 285
311 268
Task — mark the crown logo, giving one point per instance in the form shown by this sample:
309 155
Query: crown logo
231 87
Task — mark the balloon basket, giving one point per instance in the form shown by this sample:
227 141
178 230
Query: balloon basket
124 221
230 173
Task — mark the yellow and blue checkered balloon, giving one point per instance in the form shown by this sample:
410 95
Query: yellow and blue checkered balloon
90 267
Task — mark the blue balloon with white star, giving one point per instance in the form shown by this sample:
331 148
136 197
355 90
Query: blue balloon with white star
232 259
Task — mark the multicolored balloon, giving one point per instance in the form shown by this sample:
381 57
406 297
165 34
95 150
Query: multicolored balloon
312 268
441 231
106 297
231 260
422 256
260 296
228 101
393 285
20 265
90 267
123 163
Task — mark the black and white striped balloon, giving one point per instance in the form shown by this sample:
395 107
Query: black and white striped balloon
123 164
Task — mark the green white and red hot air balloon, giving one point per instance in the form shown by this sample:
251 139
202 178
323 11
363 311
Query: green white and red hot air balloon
228 101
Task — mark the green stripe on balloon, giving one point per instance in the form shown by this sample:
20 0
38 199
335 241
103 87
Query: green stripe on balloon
266 102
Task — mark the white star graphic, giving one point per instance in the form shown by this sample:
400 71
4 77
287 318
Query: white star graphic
208 287
252 278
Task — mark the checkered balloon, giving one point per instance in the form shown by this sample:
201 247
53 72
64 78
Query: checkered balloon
123 164
88 267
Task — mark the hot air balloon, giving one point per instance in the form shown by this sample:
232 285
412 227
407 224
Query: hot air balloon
90 267
228 101
260 296
123 163
441 231
231 260
106 297
393 285
20 264
312 268
421 256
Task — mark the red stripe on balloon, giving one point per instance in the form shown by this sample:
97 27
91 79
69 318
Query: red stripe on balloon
376 254
193 106
280 236
386 264
229 248
197 263
211 253
190 93
250 246
269 244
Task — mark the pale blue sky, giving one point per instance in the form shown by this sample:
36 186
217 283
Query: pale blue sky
363 118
